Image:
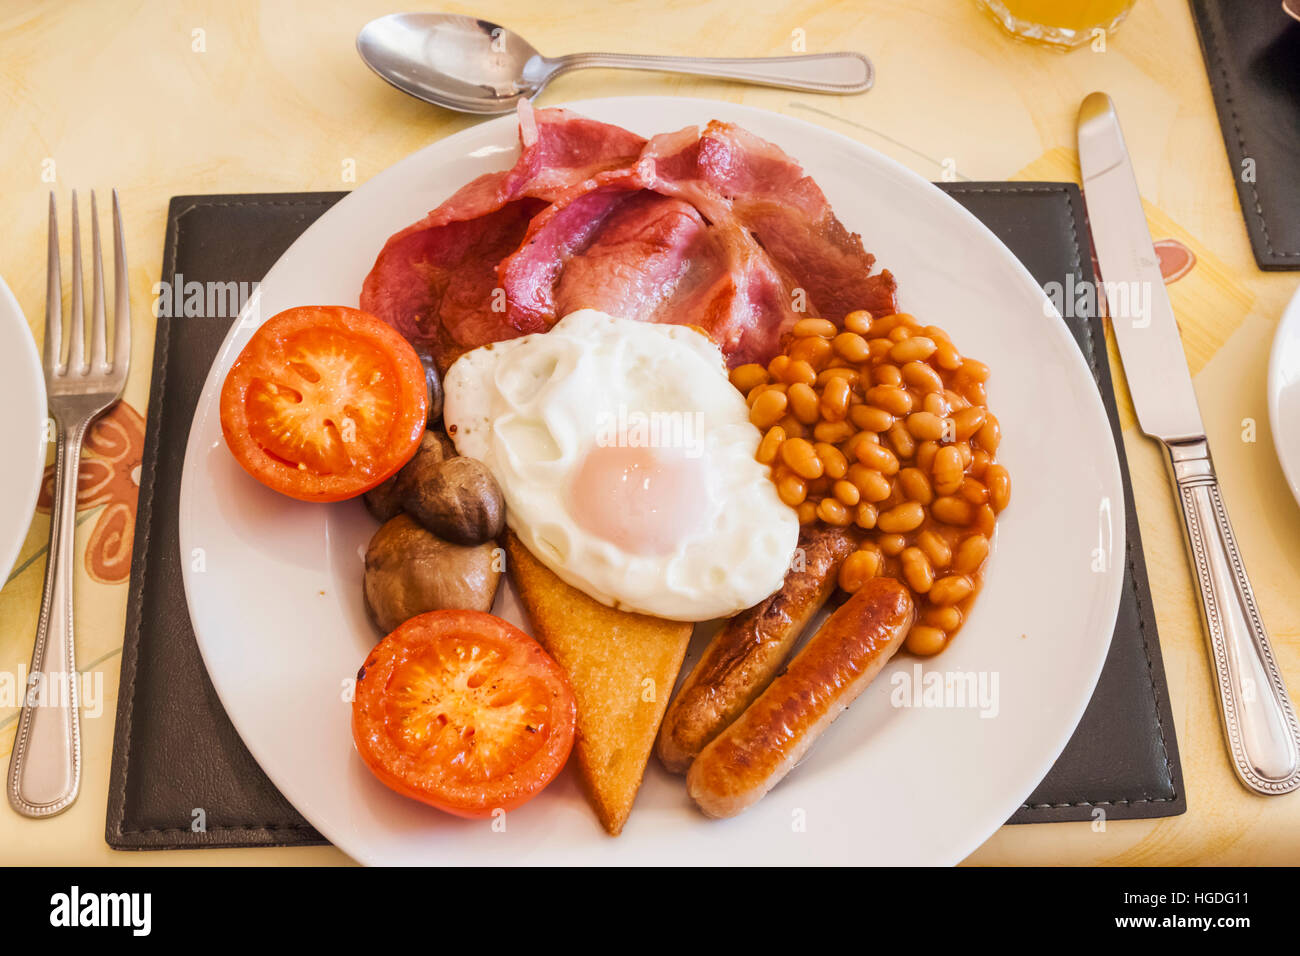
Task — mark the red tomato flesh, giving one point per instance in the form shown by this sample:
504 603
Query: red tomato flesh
463 711
324 403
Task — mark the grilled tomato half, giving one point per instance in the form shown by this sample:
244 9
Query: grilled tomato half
324 403
463 711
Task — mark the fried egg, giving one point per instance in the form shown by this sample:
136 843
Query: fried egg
626 458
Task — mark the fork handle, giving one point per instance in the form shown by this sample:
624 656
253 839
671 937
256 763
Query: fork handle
1258 718
45 769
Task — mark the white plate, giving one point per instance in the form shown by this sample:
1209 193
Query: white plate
1284 393
274 586
22 429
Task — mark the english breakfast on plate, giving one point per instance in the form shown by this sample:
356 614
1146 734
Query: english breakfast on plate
656 383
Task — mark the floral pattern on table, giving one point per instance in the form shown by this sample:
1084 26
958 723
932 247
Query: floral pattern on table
1176 260
109 478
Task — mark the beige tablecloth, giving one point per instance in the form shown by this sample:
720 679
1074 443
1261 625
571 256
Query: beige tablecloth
160 99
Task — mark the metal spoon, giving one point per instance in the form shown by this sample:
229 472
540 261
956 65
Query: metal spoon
478 67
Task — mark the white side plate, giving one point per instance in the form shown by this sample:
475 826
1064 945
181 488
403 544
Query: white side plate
1284 393
22 429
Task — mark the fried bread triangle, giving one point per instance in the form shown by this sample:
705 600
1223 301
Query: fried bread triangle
622 666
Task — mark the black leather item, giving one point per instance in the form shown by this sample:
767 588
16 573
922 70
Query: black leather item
1252 55
1123 757
175 751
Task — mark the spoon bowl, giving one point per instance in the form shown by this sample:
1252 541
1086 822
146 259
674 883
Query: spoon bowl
454 61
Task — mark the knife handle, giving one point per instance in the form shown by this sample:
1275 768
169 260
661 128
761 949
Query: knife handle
1258 718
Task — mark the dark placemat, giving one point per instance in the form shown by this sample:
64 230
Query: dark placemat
1252 56
1123 758
175 752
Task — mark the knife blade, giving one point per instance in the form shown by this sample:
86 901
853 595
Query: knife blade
1140 312
1263 736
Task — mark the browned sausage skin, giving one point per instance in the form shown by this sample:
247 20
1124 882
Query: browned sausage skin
760 747
750 648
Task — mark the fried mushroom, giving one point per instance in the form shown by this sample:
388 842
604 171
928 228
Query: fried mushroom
433 385
410 571
456 498
384 501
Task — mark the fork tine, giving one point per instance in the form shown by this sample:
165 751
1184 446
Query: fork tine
76 350
122 296
53 297
98 359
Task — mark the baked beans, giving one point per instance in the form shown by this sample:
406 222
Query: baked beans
914 482
847 493
880 424
905 517
936 548
833 512
834 464
876 456
917 571
768 408
801 458
859 568
770 444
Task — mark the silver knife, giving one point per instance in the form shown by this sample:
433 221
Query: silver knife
1258 718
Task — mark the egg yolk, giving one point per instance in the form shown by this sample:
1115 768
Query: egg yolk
643 500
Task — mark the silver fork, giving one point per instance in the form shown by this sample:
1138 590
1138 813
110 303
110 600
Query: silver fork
45 768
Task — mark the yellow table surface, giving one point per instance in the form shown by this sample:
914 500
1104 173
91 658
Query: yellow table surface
160 99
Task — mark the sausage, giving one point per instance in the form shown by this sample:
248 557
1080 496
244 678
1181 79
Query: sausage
750 648
760 747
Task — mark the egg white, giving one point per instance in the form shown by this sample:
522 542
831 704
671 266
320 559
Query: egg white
531 409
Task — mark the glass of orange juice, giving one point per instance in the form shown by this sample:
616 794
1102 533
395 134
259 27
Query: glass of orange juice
1061 24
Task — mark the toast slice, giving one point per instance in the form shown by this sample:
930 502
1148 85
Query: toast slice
622 667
